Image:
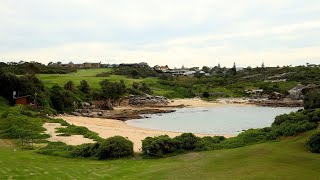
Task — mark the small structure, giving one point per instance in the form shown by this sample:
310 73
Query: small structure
24 100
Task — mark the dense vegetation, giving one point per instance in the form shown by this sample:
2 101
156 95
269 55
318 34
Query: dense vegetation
19 122
21 68
314 143
110 148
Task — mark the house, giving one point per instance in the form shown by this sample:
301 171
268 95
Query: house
161 68
71 65
24 100
142 64
88 65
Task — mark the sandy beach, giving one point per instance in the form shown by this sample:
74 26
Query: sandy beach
110 127
195 102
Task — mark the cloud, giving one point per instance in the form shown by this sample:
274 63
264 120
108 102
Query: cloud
172 32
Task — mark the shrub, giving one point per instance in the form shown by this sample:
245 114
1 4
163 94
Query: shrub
85 150
56 149
205 94
313 143
79 130
187 141
158 146
114 147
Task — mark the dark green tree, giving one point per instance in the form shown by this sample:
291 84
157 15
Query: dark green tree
84 87
312 99
112 90
69 86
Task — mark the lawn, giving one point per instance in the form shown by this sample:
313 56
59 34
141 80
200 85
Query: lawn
85 74
90 75
286 159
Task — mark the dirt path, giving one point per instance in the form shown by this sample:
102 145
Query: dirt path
7 143
70 140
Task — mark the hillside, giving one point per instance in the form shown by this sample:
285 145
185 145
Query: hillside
287 159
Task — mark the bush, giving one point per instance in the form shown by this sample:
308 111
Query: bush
205 94
159 146
56 149
187 141
114 147
313 143
85 150
79 130
312 99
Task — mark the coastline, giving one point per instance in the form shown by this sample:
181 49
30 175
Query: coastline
107 127
110 127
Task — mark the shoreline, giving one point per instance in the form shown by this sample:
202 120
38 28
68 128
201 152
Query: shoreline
107 127
110 127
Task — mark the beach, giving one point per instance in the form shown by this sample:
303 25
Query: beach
110 127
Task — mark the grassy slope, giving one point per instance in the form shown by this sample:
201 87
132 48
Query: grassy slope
90 75
286 159
3 105
86 74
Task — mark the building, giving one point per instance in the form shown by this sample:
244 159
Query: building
161 68
71 65
24 100
142 64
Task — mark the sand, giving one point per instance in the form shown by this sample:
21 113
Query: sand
195 102
108 128
70 140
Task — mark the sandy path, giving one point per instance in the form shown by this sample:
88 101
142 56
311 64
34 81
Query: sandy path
70 140
108 128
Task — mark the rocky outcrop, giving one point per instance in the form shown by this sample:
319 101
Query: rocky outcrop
123 114
296 92
137 100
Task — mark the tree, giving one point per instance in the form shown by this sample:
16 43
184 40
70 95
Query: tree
206 94
234 69
112 90
312 99
84 87
314 143
206 69
69 86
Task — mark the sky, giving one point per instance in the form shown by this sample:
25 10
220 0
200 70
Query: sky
161 32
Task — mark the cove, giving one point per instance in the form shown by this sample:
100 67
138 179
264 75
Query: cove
225 119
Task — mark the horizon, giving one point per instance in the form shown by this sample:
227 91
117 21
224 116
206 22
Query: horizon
193 34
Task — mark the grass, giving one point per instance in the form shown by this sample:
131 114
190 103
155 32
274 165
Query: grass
4 105
286 159
90 76
85 74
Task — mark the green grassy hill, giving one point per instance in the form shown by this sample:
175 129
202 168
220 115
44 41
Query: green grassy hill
286 159
90 76
85 74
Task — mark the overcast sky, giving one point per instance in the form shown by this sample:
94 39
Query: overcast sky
173 32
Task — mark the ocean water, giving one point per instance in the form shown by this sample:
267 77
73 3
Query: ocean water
228 119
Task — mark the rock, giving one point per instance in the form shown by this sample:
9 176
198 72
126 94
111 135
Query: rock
76 114
296 92
137 100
